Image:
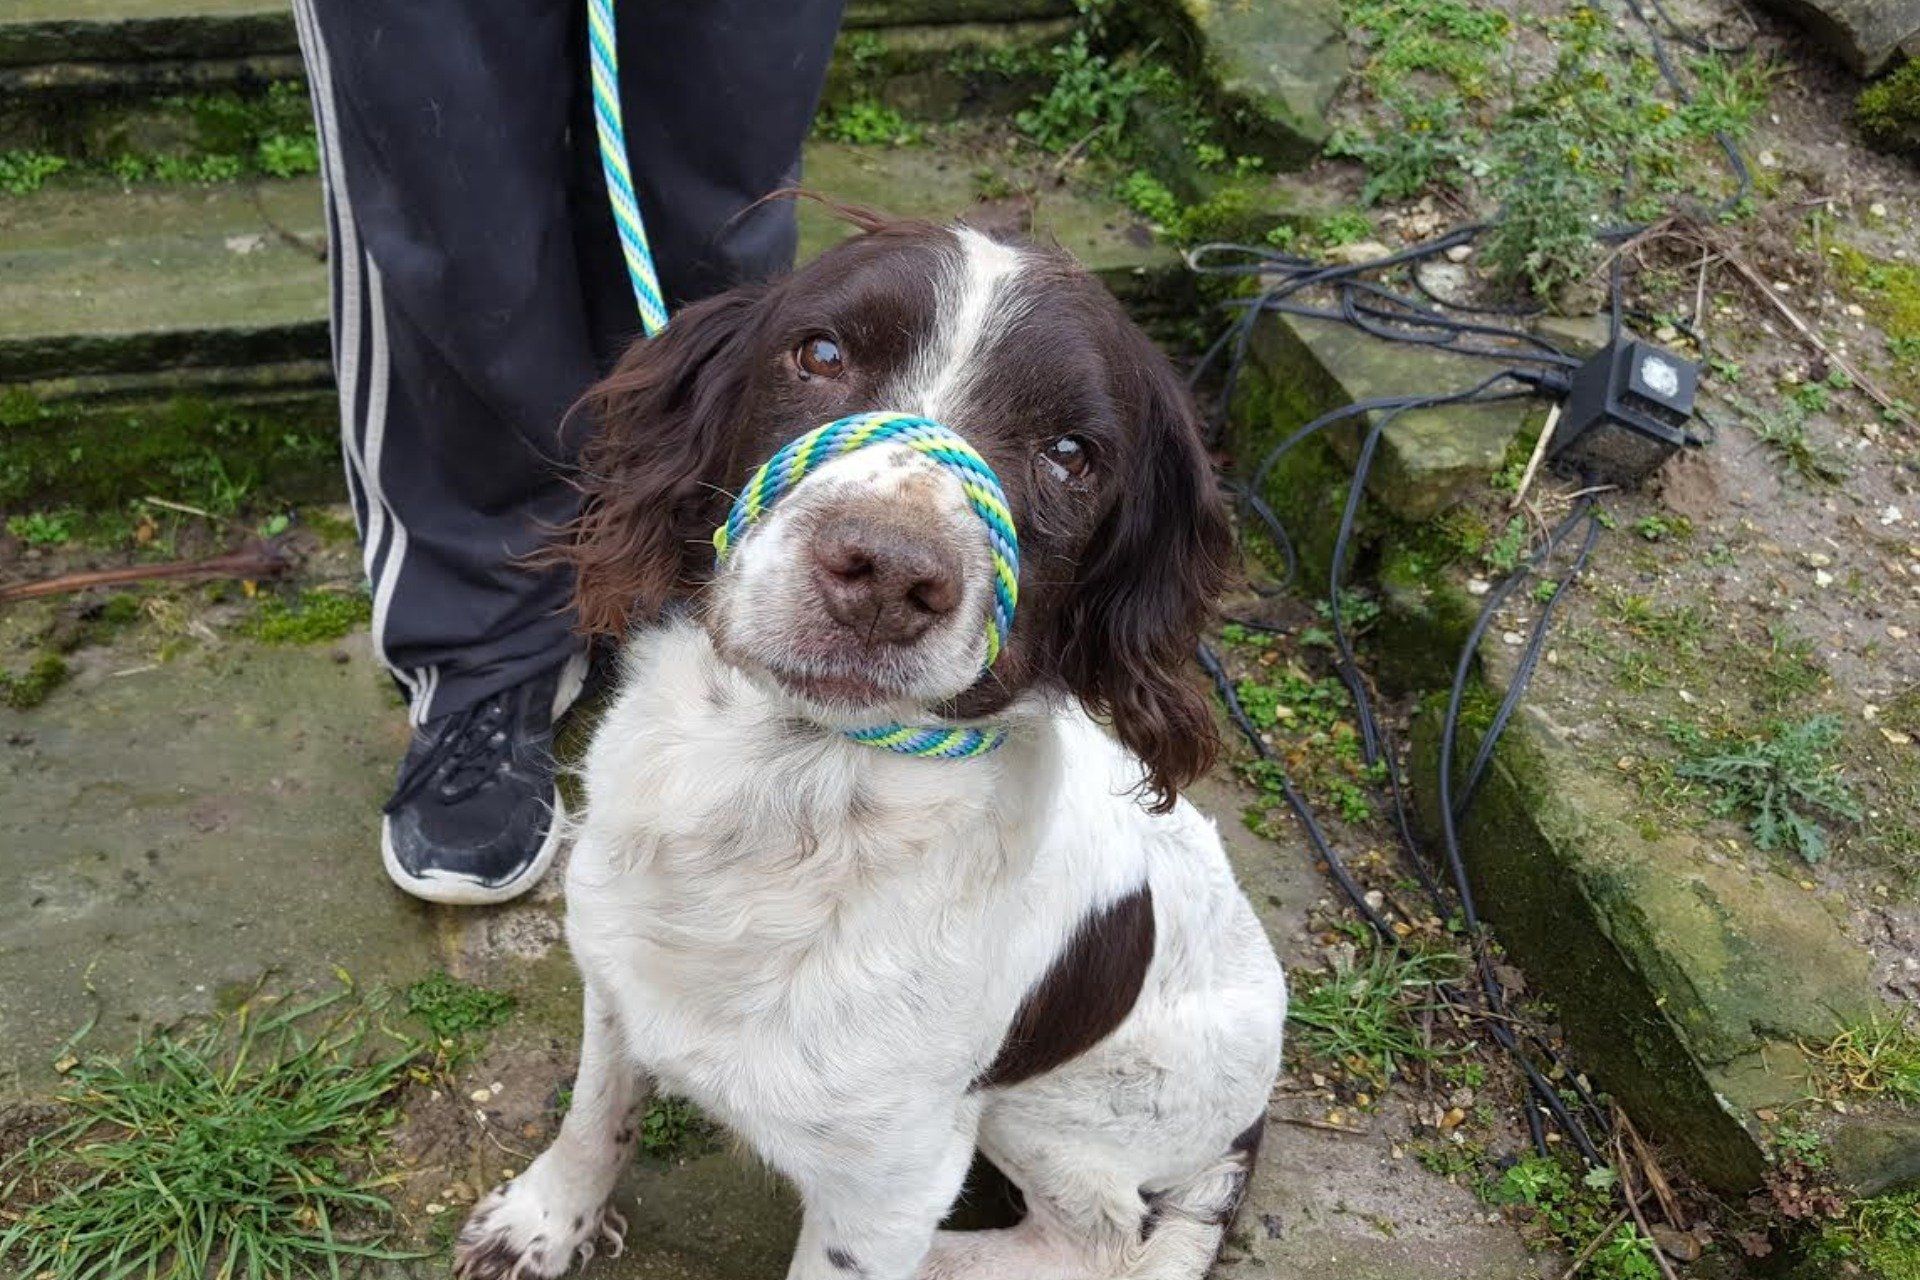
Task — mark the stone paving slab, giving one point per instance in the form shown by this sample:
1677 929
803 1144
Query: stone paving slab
101 280
182 830
174 832
98 280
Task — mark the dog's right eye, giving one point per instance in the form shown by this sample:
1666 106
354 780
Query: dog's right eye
819 357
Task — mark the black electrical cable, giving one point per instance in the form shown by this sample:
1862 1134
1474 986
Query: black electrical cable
1343 877
1539 366
1450 723
1335 864
1523 670
1378 752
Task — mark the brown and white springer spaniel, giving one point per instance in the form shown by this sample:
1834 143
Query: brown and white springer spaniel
868 965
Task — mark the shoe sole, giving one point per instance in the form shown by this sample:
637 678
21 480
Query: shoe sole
464 891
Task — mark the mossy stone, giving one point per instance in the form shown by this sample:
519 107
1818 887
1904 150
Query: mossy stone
1270 67
1865 34
100 459
1888 111
1674 973
1428 459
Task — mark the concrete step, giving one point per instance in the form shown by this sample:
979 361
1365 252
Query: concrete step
114 292
67 66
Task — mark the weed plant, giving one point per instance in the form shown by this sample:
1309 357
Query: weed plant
249 1148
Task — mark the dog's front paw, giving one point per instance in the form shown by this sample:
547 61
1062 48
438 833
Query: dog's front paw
513 1235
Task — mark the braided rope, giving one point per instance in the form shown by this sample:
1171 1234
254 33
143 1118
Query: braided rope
802 455
604 62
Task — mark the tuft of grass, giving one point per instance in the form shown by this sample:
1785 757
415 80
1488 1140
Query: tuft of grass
1789 671
1779 781
1784 432
245 1149
1877 1058
25 690
457 1013
309 618
1364 1014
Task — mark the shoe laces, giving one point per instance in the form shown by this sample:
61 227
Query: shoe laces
469 752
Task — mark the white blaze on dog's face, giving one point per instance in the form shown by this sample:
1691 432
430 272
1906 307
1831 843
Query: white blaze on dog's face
868 585
865 590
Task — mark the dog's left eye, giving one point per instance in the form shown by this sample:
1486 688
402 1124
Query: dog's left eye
1068 458
820 357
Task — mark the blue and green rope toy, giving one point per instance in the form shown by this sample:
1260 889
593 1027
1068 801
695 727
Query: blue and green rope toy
804 454
787 467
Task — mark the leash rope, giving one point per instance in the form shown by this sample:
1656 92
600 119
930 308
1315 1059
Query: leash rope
804 454
604 61
800 456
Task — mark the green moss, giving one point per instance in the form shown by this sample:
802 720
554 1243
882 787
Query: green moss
332 529
27 689
1238 212
309 618
1888 111
1890 292
220 457
201 138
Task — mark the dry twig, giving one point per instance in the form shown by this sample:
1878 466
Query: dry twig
1633 1201
258 562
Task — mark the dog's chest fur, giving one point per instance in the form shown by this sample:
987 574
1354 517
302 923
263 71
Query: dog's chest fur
790 923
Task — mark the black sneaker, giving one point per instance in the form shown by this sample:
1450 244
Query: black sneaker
475 816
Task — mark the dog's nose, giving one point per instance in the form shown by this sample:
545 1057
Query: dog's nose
887 583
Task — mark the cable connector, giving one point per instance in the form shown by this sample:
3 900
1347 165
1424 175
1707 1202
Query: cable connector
1626 414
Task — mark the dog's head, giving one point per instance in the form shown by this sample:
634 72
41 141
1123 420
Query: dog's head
864 592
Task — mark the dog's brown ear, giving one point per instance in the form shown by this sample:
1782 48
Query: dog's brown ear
1158 562
652 471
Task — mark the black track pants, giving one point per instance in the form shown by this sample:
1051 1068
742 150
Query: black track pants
478 286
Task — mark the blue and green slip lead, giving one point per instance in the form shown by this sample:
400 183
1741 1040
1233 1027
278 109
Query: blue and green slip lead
805 454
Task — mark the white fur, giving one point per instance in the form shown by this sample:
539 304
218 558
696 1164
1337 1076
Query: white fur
977 298
823 944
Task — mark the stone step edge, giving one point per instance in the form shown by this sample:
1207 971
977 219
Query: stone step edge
58 42
1655 1032
149 364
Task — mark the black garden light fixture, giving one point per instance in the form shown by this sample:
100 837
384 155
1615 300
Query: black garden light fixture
1625 414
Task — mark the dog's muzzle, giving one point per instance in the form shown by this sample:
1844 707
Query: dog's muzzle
884 576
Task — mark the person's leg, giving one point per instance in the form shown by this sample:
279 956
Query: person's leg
460 340
460 324
718 97
478 290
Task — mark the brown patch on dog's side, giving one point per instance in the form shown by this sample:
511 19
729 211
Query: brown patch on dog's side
1088 992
